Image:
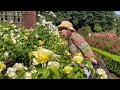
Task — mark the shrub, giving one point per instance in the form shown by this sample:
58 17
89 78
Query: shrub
118 31
86 30
112 61
97 28
106 44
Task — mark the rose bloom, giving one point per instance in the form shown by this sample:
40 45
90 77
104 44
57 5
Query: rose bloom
18 66
68 69
100 71
28 75
77 59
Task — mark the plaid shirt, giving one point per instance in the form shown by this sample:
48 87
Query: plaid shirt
81 46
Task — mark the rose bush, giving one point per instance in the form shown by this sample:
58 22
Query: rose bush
110 45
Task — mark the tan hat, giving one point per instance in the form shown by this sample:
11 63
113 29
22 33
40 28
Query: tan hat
66 24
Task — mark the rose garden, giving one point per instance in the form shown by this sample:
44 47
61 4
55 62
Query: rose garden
34 49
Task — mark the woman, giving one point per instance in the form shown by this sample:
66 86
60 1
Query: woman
75 41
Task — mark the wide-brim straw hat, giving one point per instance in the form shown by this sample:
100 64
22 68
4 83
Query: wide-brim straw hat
66 24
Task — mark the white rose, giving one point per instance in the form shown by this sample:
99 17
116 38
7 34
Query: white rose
104 76
100 71
11 72
14 41
18 66
53 64
12 34
10 69
6 53
12 75
28 75
37 23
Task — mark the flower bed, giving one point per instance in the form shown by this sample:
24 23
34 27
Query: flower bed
105 35
110 45
38 54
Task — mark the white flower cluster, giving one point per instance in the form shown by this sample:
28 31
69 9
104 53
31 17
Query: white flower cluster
53 64
51 13
11 33
49 24
101 73
11 71
6 53
28 75
18 66
13 36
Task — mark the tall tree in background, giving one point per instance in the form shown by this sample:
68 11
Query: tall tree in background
106 19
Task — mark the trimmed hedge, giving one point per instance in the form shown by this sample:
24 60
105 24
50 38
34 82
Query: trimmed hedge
112 56
112 61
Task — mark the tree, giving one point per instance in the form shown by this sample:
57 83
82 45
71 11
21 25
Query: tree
105 19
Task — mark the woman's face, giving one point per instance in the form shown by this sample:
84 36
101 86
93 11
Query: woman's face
63 32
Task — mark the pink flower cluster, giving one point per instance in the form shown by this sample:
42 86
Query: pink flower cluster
105 34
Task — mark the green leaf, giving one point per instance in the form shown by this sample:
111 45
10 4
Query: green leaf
56 72
1 75
70 75
34 75
92 71
46 73
82 76
61 70
39 70
5 75
74 76
76 68
20 74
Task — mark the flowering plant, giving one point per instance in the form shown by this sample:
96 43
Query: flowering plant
39 54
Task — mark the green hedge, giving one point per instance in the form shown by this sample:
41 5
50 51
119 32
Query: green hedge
111 61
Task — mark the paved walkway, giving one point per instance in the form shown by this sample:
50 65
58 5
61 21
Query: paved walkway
113 76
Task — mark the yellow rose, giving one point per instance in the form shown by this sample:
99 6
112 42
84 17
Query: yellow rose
79 54
77 59
25 37
68 54
27 34
68 69
35 62
35 53
43 55
41 42
35 46
42 58
2 65
63 43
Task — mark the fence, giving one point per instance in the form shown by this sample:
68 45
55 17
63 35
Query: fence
25 18
14 16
